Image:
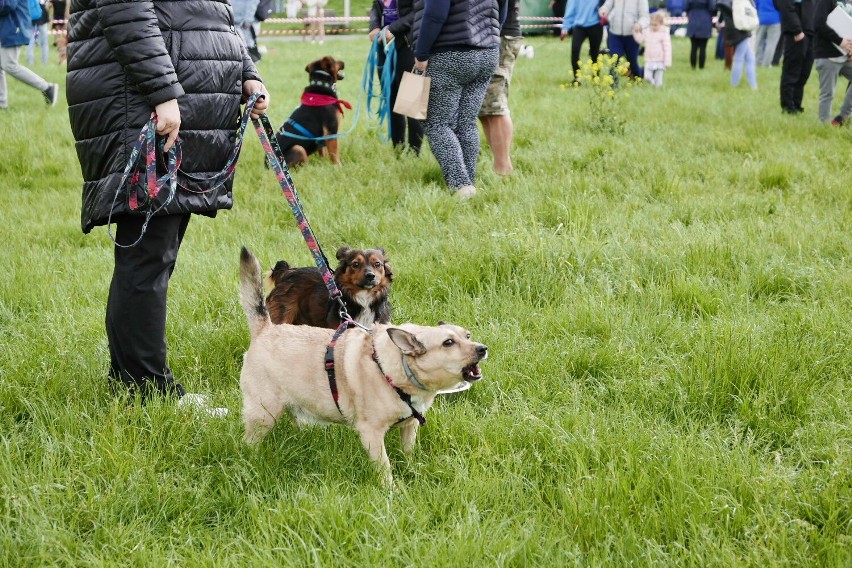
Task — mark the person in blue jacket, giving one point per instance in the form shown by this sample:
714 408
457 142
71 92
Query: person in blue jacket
16 30
768 33
582 21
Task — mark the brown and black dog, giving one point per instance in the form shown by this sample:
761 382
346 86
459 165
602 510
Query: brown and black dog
299 295
318 115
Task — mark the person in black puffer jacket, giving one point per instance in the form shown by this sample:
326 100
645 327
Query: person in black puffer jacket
457 44
395 18
185 61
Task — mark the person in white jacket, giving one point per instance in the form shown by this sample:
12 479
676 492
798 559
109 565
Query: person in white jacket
624 18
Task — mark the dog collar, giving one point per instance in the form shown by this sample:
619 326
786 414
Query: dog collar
410 374
406 398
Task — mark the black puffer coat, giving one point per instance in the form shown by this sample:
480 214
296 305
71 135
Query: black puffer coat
124 58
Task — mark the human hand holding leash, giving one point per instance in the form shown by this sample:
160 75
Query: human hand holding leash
168 122
251 87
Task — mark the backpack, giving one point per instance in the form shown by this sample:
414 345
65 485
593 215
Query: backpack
45 14
264 10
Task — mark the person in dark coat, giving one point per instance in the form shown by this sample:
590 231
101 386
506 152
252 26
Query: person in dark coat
699 29
396 18
187 63
797 31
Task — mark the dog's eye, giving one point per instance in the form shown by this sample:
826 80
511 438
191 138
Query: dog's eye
377 264
356 264
467 336
449 343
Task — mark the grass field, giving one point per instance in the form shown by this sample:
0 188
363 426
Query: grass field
668 314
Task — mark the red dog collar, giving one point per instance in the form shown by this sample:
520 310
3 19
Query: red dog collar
316 100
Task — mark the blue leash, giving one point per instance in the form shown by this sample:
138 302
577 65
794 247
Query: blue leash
385 74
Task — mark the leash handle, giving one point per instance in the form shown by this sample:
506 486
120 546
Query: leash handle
275 158
147 142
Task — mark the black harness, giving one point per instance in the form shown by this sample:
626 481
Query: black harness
332 380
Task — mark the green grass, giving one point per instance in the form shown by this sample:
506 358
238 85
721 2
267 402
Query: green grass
668 314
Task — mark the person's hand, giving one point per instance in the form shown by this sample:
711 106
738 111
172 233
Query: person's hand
420 65
602 13
251 87
846 45
637 28
373 33
799 36
563 35
388 35
168 122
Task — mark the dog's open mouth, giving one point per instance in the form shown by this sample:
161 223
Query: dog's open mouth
472 373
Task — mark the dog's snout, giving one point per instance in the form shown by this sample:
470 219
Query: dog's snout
370 275
482 351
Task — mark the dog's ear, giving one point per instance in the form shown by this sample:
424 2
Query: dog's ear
407 343
312 66
343 252
442 322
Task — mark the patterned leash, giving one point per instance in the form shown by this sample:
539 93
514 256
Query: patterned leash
275 158
145 200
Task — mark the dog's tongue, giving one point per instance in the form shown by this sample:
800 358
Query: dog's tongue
472 373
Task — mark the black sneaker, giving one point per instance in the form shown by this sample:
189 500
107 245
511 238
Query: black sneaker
837 121
51 94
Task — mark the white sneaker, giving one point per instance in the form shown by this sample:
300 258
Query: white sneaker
465 192
201 402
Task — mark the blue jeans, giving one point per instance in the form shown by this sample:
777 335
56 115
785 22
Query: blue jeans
626 46
744 56
39 37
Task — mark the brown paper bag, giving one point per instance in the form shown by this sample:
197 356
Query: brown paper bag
412 98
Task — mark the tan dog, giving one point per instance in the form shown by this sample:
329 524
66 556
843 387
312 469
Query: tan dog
284 370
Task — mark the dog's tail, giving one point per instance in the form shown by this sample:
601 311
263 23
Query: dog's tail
251 293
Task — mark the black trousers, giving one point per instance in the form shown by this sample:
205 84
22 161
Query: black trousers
697 52
398 122
795 69
578 36
136 307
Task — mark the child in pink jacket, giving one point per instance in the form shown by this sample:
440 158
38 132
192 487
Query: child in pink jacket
658 49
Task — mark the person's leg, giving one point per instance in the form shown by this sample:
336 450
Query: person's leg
577 38
791 70
481 65
804 71
595 35
42 35
494 114
760 42
773 33
750 65
846 105
631 52
31 49
738 62
136 307
693 52
440 124
702 52
827 71
21 73
4 53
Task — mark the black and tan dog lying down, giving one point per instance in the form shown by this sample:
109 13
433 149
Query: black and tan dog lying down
376 379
